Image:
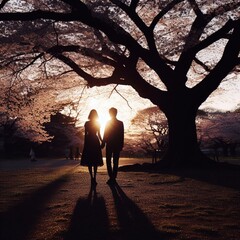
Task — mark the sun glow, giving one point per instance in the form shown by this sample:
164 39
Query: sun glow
102 100
103 120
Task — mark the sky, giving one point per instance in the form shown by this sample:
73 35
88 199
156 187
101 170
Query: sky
102 98
225 98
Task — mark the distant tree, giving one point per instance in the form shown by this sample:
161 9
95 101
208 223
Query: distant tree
64 134
151 125
221 130
25 106
175 53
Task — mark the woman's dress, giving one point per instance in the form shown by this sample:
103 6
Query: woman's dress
92 153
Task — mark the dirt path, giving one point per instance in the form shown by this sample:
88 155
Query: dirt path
142 206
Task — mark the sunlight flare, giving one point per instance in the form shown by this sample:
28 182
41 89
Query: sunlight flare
103 118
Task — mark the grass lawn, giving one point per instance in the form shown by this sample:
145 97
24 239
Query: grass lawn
52 200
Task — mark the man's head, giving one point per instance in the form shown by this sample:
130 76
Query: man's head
113 112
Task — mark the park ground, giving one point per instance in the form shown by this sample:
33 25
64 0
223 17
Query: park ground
51 199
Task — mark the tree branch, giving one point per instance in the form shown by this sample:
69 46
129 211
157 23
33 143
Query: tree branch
115 89
147 32
187 56
223 9
92 81
132 15
163 12
204 66
114 32
214 37
3 3
133 4
228 61
84 51
196 8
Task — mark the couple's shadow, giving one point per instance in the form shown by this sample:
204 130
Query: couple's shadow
90 219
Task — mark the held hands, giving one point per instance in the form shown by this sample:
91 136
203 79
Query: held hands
103 145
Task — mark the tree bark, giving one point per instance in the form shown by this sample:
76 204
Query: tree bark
183 149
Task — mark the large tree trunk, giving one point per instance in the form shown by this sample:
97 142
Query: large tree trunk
183 147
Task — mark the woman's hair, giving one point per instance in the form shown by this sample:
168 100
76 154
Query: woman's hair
93 115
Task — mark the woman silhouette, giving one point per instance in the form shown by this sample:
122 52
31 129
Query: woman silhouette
92 154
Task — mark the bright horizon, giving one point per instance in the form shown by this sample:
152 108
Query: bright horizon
226 98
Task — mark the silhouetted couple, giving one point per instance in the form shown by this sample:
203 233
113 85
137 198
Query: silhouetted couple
113 138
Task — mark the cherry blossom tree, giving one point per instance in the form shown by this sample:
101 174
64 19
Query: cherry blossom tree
151 125
25 109
172 52
220 130
65 134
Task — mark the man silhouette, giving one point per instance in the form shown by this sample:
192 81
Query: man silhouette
113 138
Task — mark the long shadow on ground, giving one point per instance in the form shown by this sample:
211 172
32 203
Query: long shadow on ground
16 223
133 222
89 219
